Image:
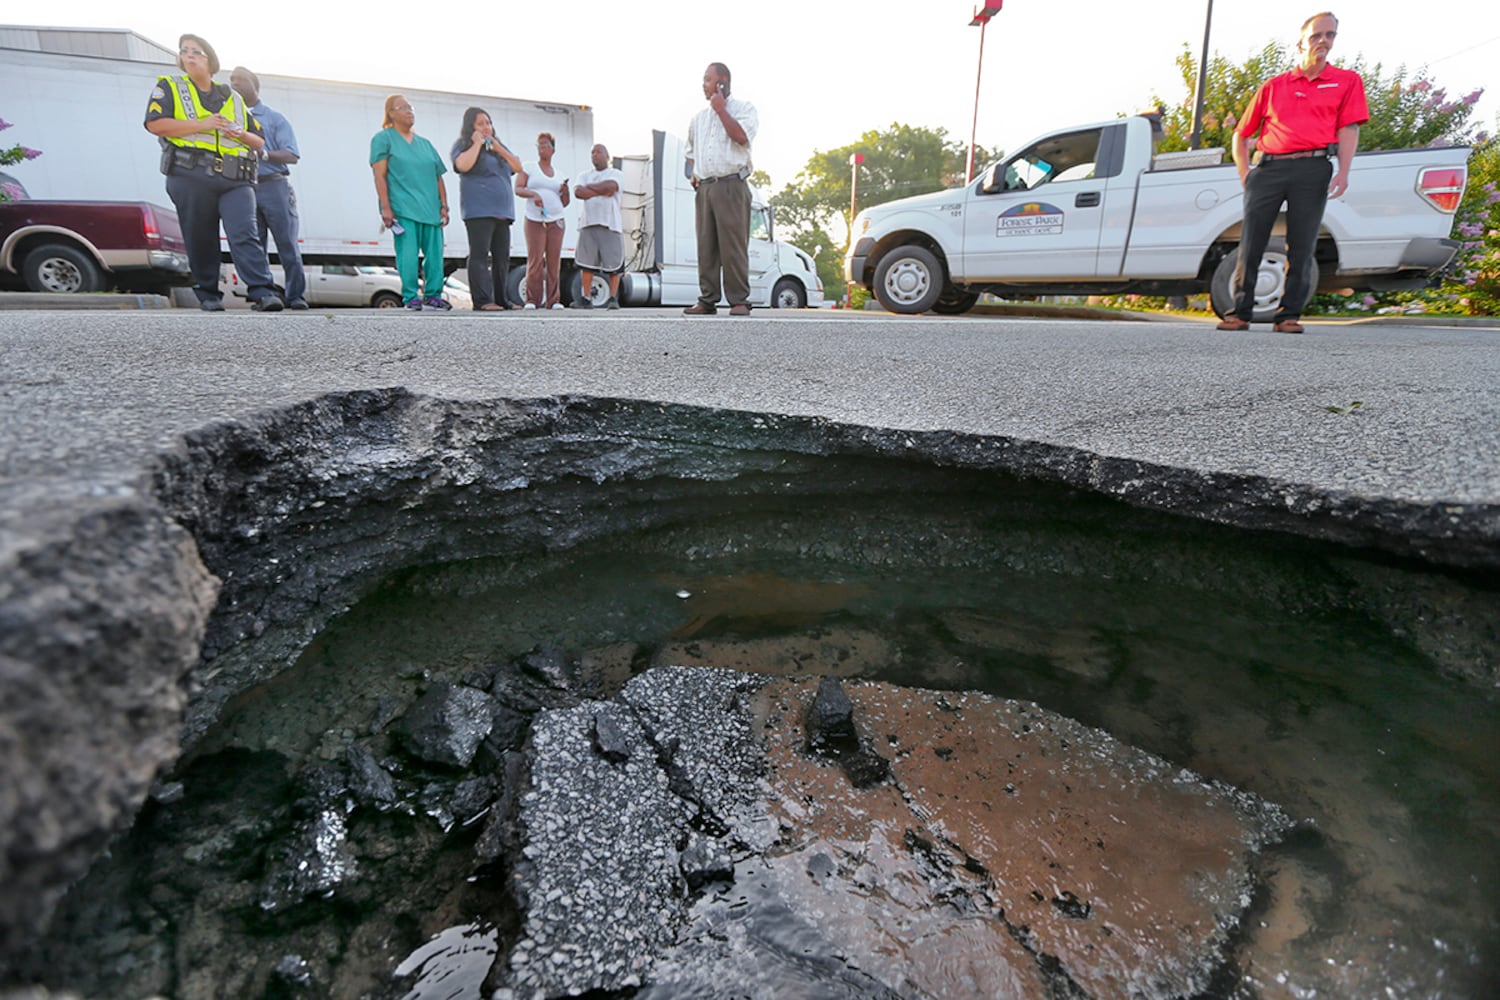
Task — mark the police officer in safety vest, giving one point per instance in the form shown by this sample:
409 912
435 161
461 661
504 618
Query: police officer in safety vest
210 152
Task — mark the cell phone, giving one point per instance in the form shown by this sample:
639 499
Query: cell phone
397 228
723 90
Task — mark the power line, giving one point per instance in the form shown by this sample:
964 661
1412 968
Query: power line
1471 48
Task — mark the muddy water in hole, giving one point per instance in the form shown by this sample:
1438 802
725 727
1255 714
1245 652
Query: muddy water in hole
1321 679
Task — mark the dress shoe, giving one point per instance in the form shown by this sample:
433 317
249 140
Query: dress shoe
1288 326
739 310
1233 323
489 307
699 310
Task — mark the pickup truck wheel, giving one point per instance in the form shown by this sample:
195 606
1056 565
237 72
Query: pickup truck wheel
1270 282
953 302
54 267
386 300
909 280
788 294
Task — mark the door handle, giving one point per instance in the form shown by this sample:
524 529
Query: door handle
1087 199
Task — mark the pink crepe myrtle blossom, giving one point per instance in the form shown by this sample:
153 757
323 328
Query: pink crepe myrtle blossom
1473 97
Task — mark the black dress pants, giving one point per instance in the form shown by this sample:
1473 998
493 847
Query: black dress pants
489 260
1302 185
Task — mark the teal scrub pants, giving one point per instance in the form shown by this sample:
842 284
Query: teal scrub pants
425 239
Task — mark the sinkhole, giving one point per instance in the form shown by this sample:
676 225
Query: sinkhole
306 845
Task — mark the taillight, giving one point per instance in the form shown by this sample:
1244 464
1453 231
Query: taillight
1443 187
149 226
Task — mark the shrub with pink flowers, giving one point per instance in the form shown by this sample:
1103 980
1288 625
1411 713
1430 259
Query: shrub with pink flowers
15 154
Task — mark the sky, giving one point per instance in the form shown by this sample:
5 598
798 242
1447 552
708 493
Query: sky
820 72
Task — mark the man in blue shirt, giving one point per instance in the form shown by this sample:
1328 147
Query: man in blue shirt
276 202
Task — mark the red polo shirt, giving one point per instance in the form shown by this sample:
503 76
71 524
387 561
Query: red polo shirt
1298 113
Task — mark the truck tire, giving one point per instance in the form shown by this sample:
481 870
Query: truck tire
56 267
385 300
598 292
954 302
788 294
909 280
1270 282
515 284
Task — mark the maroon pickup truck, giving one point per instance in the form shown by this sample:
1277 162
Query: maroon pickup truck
91 246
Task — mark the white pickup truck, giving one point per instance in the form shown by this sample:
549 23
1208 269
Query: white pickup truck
1091 211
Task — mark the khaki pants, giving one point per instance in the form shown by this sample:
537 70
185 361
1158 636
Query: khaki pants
723 215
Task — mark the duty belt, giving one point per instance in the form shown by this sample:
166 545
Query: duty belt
235 168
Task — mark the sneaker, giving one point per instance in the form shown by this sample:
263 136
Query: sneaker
583 304
415 305
297 304
433 302
612 304
269 304
1233 323
211 305
557 305
529 305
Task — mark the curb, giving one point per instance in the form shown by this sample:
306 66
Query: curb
86 300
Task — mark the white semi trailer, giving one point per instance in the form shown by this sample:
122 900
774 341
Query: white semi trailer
51 83
54 78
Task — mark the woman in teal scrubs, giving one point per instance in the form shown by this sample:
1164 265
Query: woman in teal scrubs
413 202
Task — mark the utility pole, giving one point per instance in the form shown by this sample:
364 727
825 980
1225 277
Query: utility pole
1195 141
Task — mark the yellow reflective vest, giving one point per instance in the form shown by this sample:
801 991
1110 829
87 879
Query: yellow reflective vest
187 107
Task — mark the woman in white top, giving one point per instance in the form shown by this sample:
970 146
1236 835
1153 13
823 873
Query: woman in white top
546 196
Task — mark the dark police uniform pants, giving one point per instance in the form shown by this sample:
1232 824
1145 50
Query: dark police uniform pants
276 216
204 200
1303 186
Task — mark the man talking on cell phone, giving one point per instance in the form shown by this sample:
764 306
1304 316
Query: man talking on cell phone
718 156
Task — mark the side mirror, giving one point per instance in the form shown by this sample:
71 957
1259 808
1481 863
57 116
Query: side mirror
994 179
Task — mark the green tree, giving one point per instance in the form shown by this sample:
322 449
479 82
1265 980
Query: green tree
903 160
1404 111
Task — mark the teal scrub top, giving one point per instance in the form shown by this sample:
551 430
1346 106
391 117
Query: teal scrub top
411 175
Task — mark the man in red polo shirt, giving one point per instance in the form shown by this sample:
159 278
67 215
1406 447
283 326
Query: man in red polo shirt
1304 116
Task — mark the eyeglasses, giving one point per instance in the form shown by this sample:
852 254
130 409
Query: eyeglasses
191 52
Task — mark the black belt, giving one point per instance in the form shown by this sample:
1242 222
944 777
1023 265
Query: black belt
272 177
727 177
176 159
1301 154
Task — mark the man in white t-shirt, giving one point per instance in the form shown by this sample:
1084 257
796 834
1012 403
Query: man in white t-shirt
601 246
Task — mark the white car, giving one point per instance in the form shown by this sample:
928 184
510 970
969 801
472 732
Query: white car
330 285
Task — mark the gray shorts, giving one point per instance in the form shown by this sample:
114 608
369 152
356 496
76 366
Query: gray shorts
599 249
